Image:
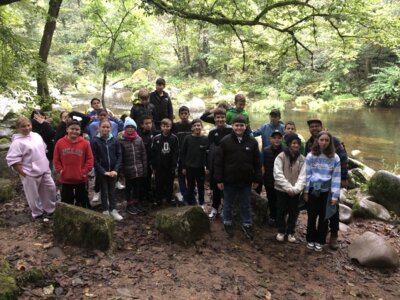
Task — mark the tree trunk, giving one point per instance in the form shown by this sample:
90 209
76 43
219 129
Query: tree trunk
103 89
42 86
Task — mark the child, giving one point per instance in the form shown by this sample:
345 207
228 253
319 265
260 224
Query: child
240 103
290 127
134 166
42 126
73 160
162 103
181 130
267 129
27 155
290 179
65 117
193 160
215 136
95 103
94 126
269 155
322 188
144 108
107 160
164 156
237 166
209 114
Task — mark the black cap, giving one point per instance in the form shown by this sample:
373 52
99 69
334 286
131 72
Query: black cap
275 132
275 112
313 120
289 138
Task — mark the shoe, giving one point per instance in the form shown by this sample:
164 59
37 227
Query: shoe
58 196
333 243
213 213
291 238
106 212
115 215
132 210
229 230
119 186
248 231
317 247
95 200
311 245
280 237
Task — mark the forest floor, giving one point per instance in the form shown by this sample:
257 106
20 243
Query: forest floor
146 265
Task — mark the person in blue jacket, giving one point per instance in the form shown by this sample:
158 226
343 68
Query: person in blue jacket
267 129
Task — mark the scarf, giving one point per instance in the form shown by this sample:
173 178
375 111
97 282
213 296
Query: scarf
132 136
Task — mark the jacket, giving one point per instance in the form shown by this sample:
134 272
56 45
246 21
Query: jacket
73 160
266 130
232 112
61 130
162 107
194 152
107 154
134 158
138 111
215 135
181 130
165 152
269 155
46 131
289 178
147 137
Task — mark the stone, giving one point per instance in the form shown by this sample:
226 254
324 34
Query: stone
140 75
355 152
366 208
33 276
259 207
359 175
353 163
343 227
82 227
7 189
371 250
385 187
5 171
345 213
345 198
196 105
8 283
55 252
6 133
184 225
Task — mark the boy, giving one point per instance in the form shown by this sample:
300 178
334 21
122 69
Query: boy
269 155
162 103
290 127
215 136
240 103
144 108
164 156
237 166
268 128
95 103
193 161
181 130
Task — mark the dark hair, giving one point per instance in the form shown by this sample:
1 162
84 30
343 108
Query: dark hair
219 111
166 121
240 98
223 104
73 122
183 108
102 111
64 111
123 117
275 112
103 121
194 121
329 151
160 81
290 123
94 99
37 112
146 117
239 119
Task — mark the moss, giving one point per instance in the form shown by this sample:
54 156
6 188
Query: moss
385 187
7 189
32 276
8 284
4 141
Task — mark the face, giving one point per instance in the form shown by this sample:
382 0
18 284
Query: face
196 128
144 100
274 119
130 129
25 128
102 116
240 105
219 120
184 116
239 128
294 146
276 140
64 116
96 104
105 129
290 129
147 124
160 88
315 128
323 141
73 132
165 128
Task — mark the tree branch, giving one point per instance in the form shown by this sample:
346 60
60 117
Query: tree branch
243 48
6 2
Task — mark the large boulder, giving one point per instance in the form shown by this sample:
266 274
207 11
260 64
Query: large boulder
385 187
82 227
8 284
7 189
359 176
345 213
366 208
184 225
259 207
196 105
371 250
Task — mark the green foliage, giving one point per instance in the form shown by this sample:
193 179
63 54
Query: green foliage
292 81
385 89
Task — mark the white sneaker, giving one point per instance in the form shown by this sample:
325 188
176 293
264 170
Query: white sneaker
96 199
291 238
106 212
119 186
116 216
213 213
317 247
311 245
280 237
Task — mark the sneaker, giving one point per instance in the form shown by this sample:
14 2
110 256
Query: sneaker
119 186
333 243
213 213
132 210
229 230
311 245
248 231
317 247
106 212
95 200
280 237
291 238
115 215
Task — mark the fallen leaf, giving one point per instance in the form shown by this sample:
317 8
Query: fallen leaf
48 290
349 283
268 295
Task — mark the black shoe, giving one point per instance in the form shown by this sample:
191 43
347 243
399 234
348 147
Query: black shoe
229 230
248 231
132 210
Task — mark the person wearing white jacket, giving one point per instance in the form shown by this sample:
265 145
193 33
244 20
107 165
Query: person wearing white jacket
290 179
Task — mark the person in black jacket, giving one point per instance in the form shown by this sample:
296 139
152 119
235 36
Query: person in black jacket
162 102
42 126
237 167
164 159
144 108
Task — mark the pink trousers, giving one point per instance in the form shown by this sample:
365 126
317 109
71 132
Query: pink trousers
40 192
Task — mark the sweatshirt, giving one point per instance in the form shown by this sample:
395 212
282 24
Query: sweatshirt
193 152
289 178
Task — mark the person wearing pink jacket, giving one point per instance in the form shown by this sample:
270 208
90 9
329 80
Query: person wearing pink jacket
27 155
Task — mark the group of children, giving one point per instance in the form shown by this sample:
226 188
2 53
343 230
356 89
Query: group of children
230 155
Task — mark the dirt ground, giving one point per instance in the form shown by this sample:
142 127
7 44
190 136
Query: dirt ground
146 265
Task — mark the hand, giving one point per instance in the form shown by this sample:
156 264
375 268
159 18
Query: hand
207 172
107 174
113 174
184 172
39 118
291 193
110 114
305 197
220 186
334 201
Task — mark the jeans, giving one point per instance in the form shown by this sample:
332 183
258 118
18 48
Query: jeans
188 197
286 205
232 192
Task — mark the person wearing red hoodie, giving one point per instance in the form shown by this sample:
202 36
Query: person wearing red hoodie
73 160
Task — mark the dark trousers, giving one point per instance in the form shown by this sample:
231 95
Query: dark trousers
164 184
271 195
133 190
184 189
195 176
217 194
75 194
146 190
286 205
334 223
96 185
107 189
316 232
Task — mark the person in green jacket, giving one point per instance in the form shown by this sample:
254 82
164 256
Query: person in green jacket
240 103
290 127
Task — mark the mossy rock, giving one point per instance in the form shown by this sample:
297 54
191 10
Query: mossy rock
4 141
7 189
184 225
259 208
367 209
82 227
385 187
359 175
8 284
34 276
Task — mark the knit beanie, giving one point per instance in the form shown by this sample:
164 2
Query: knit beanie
130 122
289 138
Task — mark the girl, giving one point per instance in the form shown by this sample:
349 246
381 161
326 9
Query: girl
73 160
27 155
322 187
107 160
290 179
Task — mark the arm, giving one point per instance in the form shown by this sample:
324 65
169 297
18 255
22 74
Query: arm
57 158
119 123
175 153
257 164
85 119
95 151
258 131
336 176
308 173
89 161
219 164
118 153
144 158
182 156
207 117
301 180
170 110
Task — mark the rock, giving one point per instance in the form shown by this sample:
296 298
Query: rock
184 225
7 189
8 284
5 171
345 198
196 105
355 152
353 163
343 227
259 207
345 213
18 220
385 187
371 250
359 175
55 252
32 276
82 227
217 87
365 208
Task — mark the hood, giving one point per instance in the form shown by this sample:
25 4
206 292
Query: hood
80 139
17 136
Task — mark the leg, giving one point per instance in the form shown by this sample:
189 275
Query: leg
111 182
281 210
67 193
104 191
47 193
334 223
183 187
293 214
312 213
245 206
31 185
191 181
159 192
81 194
200 178
229 196
322 223
271 195
128 191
